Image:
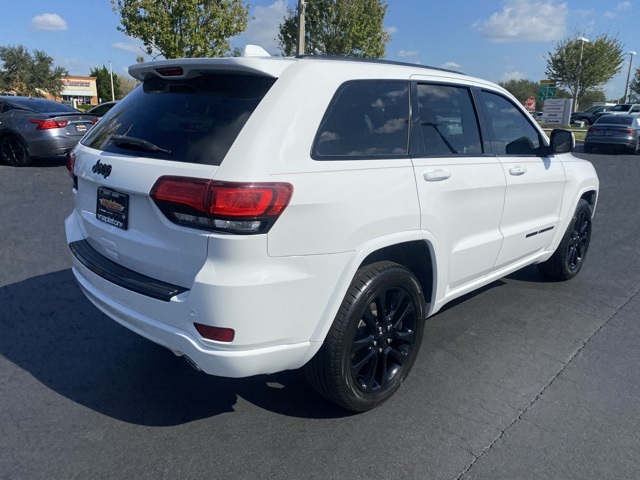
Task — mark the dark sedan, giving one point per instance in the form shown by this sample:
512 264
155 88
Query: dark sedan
589 115
36 127
621 131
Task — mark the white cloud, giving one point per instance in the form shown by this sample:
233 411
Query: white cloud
515 75
138 49
263 29
391 30
48 21
621 7
525 20
452 66
408 53
512 76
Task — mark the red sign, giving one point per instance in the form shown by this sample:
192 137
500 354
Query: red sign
530 103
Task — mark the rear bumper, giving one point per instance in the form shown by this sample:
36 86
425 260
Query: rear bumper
606 141
224 363
274 305
51 146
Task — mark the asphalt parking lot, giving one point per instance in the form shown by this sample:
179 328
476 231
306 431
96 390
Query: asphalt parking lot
525 379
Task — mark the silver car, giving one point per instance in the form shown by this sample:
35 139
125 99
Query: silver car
36 127
614 131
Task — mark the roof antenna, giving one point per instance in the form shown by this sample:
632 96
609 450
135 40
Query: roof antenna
254 51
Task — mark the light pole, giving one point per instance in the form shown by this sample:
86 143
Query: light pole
575 92
626 87
113 96
301 20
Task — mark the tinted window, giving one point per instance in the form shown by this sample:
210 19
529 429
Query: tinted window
621 108
195 120
512 132
43 106
615 120
366 120
448 122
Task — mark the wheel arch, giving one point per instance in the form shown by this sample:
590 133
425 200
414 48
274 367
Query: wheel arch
400 248
415 255
6 132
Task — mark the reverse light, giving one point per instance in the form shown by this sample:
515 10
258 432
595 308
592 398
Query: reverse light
218 334
48 124
241 208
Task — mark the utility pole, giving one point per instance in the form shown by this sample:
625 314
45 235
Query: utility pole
575 93
626 88
300 49
113 96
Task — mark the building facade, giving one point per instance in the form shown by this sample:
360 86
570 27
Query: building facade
79 91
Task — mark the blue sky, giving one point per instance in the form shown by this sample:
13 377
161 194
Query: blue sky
497 40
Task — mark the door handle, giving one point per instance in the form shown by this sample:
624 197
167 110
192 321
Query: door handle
518 170
436 175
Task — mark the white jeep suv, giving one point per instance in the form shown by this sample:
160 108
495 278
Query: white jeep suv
259 214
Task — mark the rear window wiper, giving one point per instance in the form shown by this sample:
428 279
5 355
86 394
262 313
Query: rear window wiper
123 141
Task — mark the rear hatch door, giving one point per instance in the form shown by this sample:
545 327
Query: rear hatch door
180 127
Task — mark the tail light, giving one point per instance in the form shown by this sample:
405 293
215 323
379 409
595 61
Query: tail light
591 129
48 124
241 208
71 163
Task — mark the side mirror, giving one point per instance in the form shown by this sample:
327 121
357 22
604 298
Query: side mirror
562 141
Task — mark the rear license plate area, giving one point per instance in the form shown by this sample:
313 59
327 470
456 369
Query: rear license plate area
112 207
81 127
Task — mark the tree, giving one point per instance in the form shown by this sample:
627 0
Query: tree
29 75
183 28
103 83
521 89
591 97
601 60
127 84
338 27
634 86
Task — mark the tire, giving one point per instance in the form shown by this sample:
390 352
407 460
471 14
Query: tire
366 356
13 151
569 257
588 148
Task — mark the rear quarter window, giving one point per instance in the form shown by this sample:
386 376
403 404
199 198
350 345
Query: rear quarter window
366 119
194 120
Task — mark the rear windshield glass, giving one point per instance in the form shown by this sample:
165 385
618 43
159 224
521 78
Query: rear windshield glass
44 106
615 120
195 120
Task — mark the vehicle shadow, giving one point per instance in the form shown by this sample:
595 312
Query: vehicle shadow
53 332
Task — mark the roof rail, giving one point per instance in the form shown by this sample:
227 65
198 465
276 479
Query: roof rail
375 60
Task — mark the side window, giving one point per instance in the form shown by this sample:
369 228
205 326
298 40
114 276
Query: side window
367 119
448 121
512 132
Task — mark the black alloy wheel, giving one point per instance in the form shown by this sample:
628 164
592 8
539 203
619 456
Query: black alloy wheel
13 151
383 339
579 241
568 259
374 339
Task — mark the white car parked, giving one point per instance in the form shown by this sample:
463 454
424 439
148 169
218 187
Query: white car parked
259 214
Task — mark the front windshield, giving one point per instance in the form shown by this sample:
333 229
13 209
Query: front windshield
621 108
